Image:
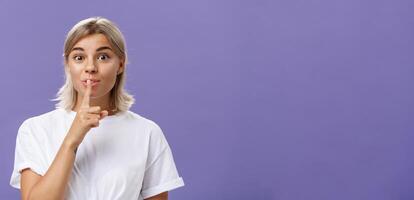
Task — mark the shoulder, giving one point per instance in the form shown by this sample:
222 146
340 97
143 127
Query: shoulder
146 126
151 126
153 134
47 118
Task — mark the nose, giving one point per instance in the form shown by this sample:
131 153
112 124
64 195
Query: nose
91 67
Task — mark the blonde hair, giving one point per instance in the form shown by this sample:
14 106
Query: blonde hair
120 99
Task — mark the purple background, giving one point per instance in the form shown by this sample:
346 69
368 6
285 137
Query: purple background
289 100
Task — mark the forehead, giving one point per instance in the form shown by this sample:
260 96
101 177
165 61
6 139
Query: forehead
92 41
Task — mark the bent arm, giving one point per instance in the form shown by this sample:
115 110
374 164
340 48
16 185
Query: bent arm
162 196
53 184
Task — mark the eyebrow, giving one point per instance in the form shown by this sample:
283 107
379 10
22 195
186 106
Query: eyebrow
98 49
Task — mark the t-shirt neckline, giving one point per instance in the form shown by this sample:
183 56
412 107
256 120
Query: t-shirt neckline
117 116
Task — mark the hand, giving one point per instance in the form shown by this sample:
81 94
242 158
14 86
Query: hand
86 118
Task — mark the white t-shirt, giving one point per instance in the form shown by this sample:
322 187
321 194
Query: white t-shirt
126 157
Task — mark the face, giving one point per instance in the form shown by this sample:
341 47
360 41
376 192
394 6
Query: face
93 58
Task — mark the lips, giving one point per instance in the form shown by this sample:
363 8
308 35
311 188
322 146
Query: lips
93 82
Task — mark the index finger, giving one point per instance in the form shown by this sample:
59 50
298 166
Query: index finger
87 94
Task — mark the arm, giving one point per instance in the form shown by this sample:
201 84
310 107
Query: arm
53 184
162 196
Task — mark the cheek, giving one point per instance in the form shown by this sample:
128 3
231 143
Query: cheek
75 77
109 77
110 81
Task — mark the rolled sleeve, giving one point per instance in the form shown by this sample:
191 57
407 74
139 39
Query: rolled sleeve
26 154
161 174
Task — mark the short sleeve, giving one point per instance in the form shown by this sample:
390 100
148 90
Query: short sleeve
161 174
27 154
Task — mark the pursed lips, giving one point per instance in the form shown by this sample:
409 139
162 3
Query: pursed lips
93 82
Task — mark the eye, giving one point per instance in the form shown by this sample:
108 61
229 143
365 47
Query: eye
103 57
77 58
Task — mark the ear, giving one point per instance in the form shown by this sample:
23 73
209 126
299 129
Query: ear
121 68
65 64
66 67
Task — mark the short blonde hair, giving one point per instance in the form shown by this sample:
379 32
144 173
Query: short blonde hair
120 99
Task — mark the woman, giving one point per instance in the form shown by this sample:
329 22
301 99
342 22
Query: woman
92 146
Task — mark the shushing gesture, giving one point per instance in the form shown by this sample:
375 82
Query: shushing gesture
86 118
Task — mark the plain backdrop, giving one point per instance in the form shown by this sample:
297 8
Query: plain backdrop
259 99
